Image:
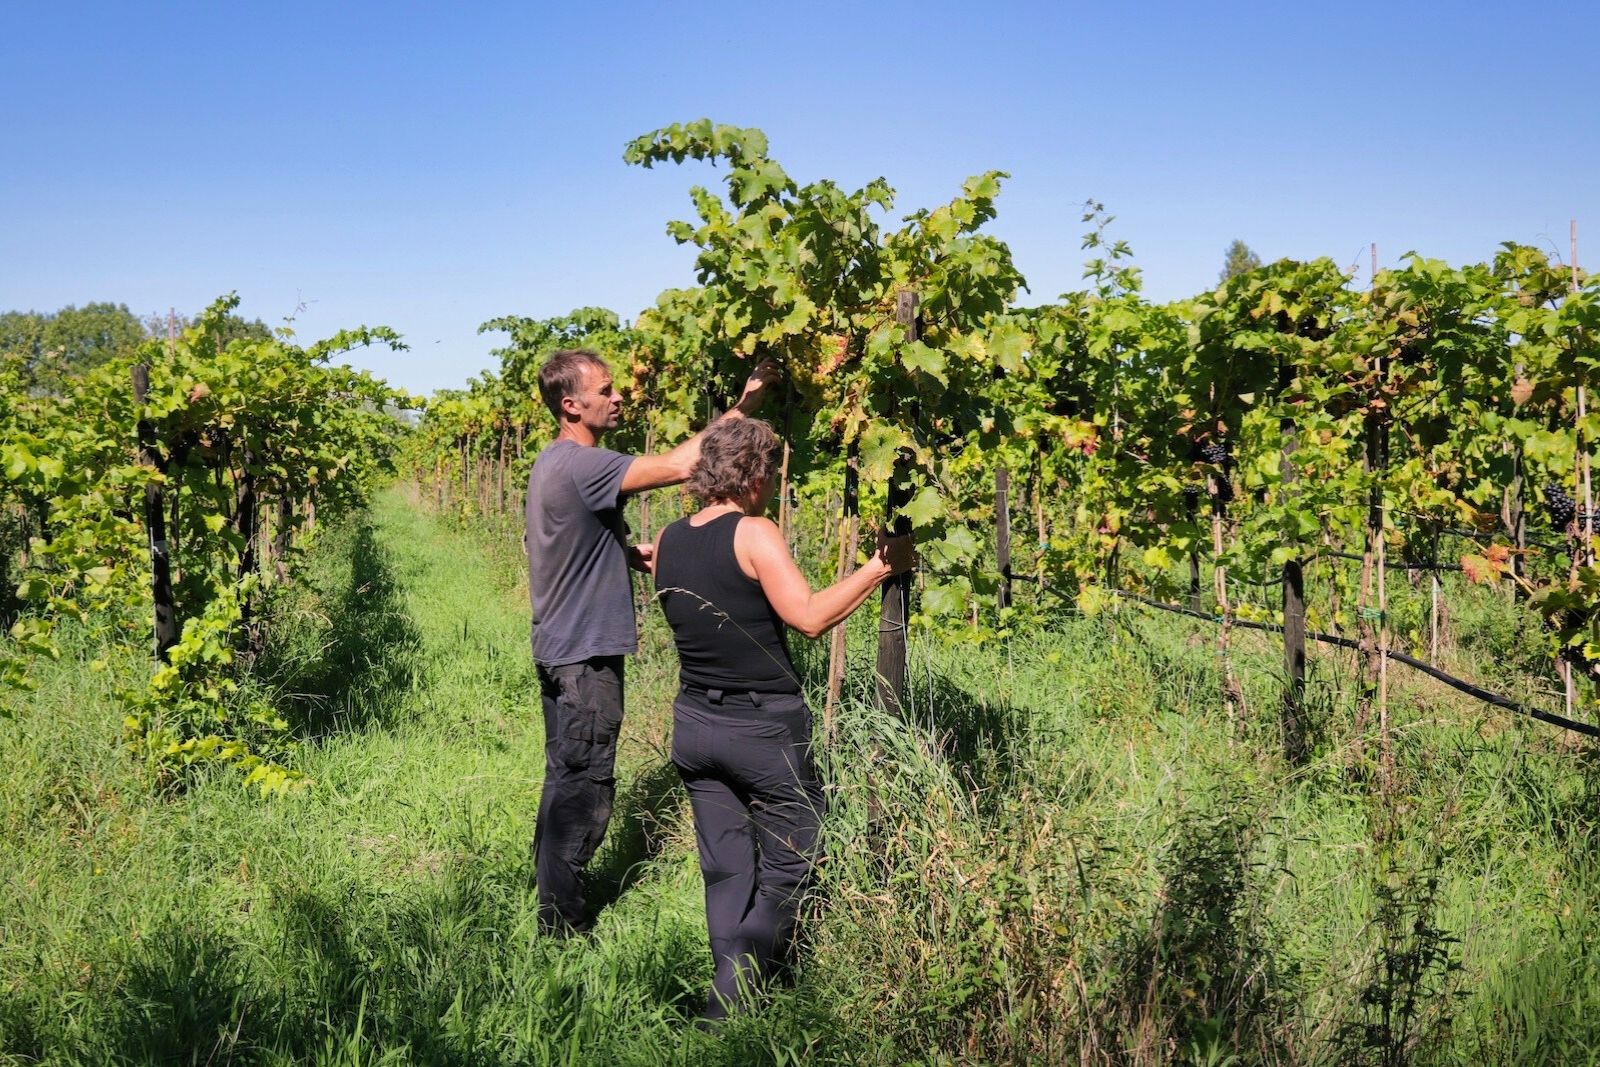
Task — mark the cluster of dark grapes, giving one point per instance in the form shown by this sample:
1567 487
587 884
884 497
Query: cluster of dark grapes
1215 452
1559 507
1192 494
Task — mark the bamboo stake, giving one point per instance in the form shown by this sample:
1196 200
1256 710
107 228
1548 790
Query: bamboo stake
785 512
1433 623
1583 452
1385 748
1002 536
1230 685
849 534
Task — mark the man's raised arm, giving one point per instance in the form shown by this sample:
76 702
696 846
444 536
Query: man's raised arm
674 465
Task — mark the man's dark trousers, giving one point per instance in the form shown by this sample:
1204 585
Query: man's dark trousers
582 717
745 759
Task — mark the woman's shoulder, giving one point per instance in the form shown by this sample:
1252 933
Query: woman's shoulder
758 535
757 526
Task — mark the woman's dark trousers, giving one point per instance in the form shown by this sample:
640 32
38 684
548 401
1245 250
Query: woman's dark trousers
746 761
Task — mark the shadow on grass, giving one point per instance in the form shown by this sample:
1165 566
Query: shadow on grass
986 739
638 832
1200 976
184 999
449 974
341 652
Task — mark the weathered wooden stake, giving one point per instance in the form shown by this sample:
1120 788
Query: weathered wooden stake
1002 534
1294 611
1196 599
849 535
895 607
1294 662
166 614
785 512
280 535
244 514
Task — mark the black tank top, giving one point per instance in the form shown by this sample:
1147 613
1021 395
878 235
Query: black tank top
728 635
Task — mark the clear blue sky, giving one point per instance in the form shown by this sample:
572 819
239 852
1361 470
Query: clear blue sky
430 166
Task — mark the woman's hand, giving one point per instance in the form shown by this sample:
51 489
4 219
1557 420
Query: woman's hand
899 554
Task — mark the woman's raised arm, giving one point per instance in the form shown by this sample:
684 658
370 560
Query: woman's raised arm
763 555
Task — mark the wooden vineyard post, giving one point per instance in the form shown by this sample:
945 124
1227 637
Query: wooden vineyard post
1002 534
1294 662
895 608
1196 600
480 469
785 512
1294 608
245 523
244 514
1231 695
1371 565
500 508
1373 633
1041 531
280 535
1385 745
849 533
1515 515
1584 552
166 615
1585 484
1436 605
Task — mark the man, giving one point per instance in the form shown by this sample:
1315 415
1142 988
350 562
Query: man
583 622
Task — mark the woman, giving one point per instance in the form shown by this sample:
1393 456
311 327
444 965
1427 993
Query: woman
741 730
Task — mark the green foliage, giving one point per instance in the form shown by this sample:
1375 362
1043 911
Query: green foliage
243 425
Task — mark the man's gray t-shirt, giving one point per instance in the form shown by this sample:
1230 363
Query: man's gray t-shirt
578 555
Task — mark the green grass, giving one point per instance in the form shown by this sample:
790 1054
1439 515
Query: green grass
1063 853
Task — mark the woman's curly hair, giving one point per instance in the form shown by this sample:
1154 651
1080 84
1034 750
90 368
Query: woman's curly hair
735 456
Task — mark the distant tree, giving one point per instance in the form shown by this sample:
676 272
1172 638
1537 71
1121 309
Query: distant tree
72 341
1237 260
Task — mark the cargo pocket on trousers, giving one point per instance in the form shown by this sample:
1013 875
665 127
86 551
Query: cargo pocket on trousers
600 693
575 744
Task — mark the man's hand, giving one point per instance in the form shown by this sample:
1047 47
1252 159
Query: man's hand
642 557
766 375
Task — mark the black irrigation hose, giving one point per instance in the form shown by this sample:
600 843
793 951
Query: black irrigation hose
1533 542
1429 669
1391 565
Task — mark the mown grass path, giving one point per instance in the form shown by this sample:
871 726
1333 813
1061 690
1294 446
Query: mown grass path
384 914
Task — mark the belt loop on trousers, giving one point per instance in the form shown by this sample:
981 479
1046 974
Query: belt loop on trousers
714 695
755 698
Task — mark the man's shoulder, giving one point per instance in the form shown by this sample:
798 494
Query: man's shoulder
566 450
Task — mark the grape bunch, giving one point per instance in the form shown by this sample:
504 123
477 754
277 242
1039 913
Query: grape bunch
1192 494
1215 452
1559 507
